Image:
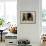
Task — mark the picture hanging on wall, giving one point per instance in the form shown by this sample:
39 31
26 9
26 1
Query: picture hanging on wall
27 17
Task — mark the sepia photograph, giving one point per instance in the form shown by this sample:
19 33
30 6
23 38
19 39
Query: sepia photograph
28 17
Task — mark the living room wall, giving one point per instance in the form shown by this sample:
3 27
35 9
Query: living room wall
31 32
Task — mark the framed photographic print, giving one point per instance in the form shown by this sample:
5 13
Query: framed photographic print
28 17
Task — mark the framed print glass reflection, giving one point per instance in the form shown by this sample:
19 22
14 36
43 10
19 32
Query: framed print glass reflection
27 17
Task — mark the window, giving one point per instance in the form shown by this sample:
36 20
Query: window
44 16
1 8
43 12
11 11
8 10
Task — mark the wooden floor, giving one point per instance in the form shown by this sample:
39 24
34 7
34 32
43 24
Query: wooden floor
2 43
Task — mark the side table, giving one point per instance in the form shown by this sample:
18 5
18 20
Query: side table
10 39
1 34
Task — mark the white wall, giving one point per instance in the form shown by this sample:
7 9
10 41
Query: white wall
30 31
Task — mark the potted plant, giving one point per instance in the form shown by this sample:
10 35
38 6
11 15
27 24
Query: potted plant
1 22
